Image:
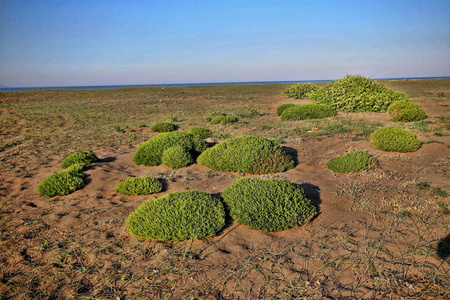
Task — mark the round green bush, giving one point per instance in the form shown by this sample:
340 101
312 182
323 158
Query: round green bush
247 153
308 111
270 205
283 107
406 111
60 184
178 216
163 127
395 139
201 132
176 157
150 152
223 120
79 158
355 93
351 162
300 90
139 186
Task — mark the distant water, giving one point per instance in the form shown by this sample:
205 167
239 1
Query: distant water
101 87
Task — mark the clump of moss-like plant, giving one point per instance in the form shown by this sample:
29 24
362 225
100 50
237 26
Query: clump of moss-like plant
247 153
176 157
406 111
395 139
352 162
300 90
283 107
79 158
201 132
269 205
178 216
139 186
308 111
163 127
61 183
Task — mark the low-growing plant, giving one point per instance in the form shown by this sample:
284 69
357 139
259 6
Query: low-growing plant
77 168
201 132
224 120
308 111
440 94
269 205
150 152
247 153
213 114
352 162
406 111
395 139
61 183
176 157
283 107
355 93
119 129
178 216
79 158
139 186
300 90
163 127
172 118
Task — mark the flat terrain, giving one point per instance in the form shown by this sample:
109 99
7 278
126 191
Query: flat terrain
379 233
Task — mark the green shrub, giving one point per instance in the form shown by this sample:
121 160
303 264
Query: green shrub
150 152
213 114
300 90
247 153
308 111
60 184
163 127
79 158
201 132
283 107
223 120
395 139
76 168
357 94
139 186
406 111
176 157
351 162
270 205
178 216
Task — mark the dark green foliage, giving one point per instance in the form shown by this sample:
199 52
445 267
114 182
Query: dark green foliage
355 93
406 111
423 185
247 153
61 183
270 205
201 132
300 90
395 139
79 158
178 216
150 152
351 162
224 120
283 107
163 127
139 186
308 111
176 157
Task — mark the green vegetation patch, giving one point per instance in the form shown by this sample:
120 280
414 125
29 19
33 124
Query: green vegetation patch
355 93
139 186
352 162
163 127
269 205
176 157
406 111
283 107
395 139
308 111
219 117
201 132
178 216
150 152
300 90
247 153
61 183
79 158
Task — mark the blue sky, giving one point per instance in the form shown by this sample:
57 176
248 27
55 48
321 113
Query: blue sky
89 42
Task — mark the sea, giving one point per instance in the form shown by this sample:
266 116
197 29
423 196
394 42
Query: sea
101 87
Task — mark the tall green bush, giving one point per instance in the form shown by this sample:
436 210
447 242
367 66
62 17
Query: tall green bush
178 216
139 186
308 111
269 205
300 90
247 153
351 162
406 111
355 93
395 139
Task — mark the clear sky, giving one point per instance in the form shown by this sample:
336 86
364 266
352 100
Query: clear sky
108 42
